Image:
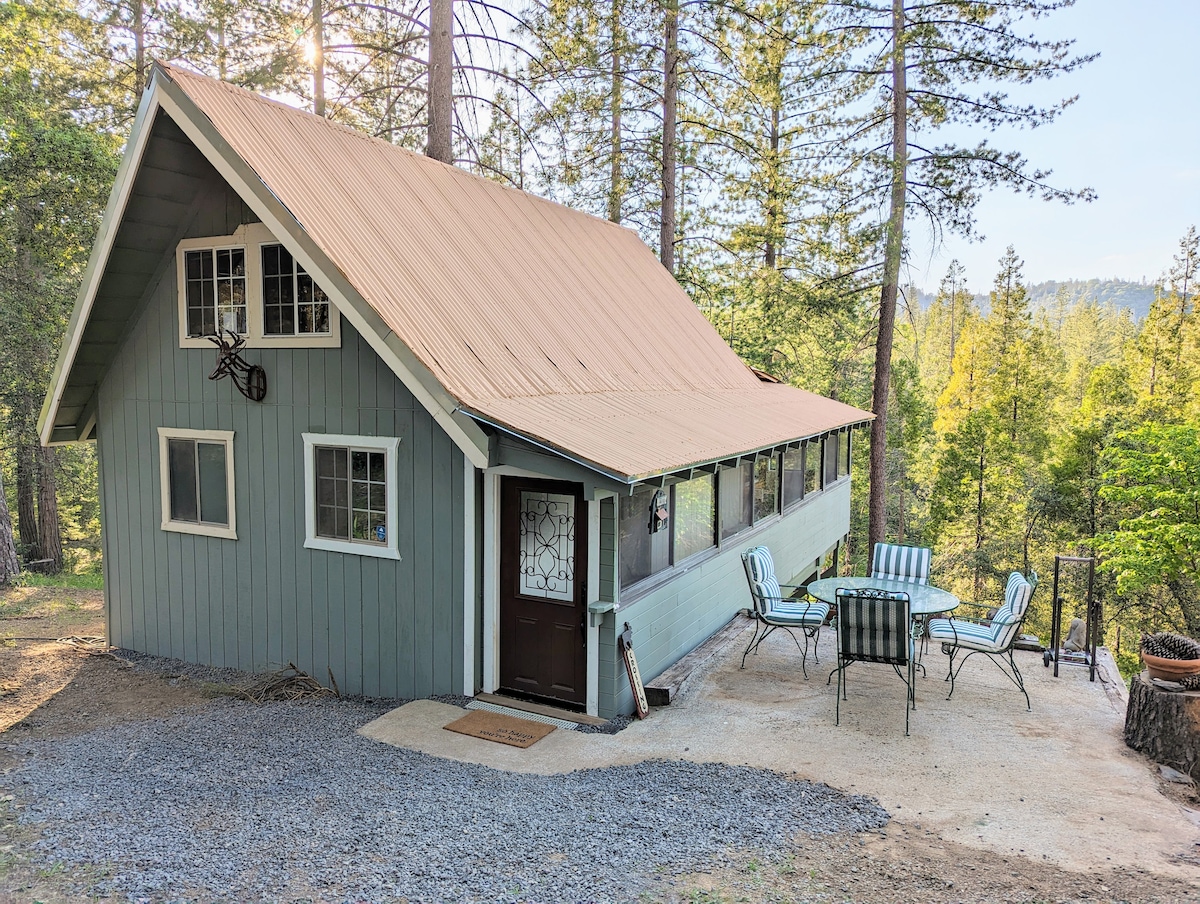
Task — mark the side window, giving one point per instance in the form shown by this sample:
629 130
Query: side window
196 468
793 477
350 494
812 467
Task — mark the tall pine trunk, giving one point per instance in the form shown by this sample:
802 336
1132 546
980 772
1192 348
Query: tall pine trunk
138 28
9 564
440 106
49 535
893 251
318 52
616 176
27 522
666 231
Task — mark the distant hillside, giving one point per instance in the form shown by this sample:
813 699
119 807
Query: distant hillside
1116 292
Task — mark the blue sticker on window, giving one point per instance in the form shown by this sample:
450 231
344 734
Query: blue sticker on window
381 533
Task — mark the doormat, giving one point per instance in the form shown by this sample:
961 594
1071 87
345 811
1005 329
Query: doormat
479 723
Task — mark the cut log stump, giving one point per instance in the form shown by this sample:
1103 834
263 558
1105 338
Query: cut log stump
1164 725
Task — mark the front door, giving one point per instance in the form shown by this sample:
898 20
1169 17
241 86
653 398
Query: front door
543 568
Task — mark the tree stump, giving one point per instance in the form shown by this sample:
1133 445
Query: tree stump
1164 725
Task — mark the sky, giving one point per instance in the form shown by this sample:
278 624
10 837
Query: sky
1133 136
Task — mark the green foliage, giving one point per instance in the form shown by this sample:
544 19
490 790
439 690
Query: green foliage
1153 477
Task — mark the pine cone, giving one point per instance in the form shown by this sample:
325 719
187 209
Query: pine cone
1166 645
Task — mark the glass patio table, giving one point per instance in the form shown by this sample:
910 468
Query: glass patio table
924 600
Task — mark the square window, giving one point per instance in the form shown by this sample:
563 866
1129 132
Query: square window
350 494
196 474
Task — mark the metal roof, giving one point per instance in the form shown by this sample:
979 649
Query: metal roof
551 323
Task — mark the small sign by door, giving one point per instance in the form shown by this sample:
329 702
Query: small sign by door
625 641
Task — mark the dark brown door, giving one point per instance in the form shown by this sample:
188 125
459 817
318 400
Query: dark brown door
543 568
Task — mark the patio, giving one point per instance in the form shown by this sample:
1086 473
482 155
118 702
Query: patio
1056 784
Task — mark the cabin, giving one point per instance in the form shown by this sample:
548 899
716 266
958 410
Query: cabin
459 435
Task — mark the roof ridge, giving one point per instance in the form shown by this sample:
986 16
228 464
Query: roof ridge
172 69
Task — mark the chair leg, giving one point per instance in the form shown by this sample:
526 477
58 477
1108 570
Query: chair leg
753 637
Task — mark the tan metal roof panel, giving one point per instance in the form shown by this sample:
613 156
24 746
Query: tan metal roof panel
525 310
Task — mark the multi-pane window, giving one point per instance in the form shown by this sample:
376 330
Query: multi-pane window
197 481
737 499
351 494
215 290
293 305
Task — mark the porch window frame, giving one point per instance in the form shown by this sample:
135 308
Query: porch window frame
389 446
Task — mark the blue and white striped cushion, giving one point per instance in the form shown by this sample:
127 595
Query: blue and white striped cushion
1004 623
901 563
799 612
964 633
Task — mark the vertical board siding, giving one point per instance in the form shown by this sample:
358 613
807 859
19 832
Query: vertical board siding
385 628
672 620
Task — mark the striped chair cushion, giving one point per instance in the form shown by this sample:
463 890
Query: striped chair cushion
1004 624
768 595
873 626
901 563
798 612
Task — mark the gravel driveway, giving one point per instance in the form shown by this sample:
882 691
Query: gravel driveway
285 802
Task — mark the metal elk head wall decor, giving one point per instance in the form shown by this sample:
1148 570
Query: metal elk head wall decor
250 379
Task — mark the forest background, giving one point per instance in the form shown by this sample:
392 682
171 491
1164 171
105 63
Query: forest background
770 151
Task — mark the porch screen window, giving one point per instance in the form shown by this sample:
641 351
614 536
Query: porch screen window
766 487
793 477
843 467
694 518
197 481
690 528
737 499
293 305
350 494
215 290
831 459
812 467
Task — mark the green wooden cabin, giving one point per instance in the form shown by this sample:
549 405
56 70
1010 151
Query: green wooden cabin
494 430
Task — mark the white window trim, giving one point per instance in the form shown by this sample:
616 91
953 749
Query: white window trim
192 527
389 446
250 237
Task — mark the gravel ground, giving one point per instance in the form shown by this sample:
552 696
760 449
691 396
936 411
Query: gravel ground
238 803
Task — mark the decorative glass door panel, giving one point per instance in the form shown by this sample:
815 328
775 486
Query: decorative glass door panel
547 546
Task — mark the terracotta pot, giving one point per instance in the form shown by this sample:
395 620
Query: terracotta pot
1170 669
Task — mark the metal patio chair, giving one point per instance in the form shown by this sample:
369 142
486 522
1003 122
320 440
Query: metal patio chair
901 563
993 636
874 626
771 610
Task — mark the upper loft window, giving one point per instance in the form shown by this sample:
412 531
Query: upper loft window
251 284
215 292
293 305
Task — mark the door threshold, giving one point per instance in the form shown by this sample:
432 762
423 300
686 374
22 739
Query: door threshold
541 709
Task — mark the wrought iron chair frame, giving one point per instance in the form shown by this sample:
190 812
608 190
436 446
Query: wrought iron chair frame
798 618
952 648
900 628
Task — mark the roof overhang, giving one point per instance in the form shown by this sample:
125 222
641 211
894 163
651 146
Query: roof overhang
166 95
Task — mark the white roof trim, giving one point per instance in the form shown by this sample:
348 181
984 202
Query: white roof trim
114 213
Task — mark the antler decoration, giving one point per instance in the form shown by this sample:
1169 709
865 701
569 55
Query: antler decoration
250 379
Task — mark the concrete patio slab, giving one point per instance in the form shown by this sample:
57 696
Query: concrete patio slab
1054 784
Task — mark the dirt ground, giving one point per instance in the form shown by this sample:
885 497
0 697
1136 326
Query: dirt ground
48 689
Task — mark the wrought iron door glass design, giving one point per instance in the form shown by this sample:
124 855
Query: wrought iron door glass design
547 535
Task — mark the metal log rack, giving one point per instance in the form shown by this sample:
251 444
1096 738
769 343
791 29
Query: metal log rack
1093 621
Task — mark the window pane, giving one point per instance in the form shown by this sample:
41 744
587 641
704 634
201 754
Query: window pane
270 260
812 468
766 487
377 462
830 457
844 453
287 321
695 516
271 321
192 263
327 521
214 502
640 552
793 477
358 465
361 526
181 465
736 490
206 265
360 495
321 317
